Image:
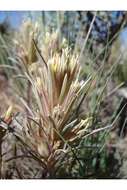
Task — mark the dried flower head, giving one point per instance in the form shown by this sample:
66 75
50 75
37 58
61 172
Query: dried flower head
24 46
56 90
51 125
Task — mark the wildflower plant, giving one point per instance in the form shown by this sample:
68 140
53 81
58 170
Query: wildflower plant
51 128
52 94
56 90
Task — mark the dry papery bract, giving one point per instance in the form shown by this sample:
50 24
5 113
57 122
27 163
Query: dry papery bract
56 91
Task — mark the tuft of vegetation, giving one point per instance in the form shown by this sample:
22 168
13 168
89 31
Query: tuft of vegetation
60 118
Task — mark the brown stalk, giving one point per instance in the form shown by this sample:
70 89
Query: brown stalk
39 52
2 134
